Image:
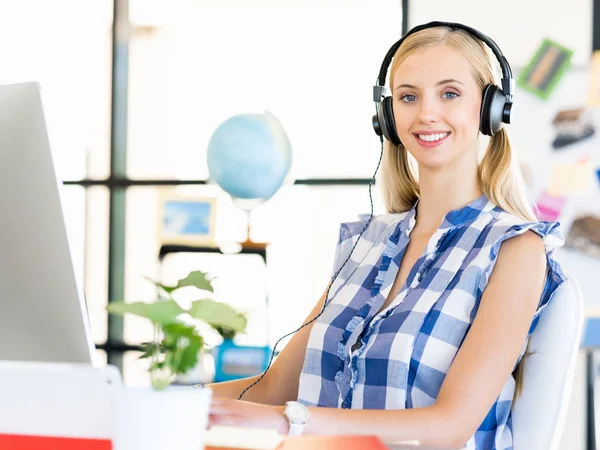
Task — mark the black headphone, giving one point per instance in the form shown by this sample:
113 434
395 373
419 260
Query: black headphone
496 102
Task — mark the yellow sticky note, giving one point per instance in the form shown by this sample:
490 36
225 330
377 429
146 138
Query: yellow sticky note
571 178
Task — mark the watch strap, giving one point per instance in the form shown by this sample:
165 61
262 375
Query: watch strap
296 429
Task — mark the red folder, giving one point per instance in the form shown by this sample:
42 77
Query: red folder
22 442
332 443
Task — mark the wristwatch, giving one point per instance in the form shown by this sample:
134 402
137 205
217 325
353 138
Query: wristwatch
297 415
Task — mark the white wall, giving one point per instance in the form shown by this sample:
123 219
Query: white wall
517 26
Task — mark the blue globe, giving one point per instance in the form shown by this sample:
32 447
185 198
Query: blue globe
249 156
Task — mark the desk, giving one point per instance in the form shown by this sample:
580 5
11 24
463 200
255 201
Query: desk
385 447
388 447
233 438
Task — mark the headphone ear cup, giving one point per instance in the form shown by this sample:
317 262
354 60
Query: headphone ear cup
492 109
387 121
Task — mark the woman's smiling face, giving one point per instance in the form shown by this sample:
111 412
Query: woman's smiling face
436 104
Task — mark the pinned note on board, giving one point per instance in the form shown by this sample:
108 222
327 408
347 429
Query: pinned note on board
594 84
571 126
545 69
571 178
550 206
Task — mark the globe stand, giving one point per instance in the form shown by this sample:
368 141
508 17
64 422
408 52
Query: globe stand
249 244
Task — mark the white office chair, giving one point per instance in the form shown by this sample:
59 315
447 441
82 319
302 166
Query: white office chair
539 412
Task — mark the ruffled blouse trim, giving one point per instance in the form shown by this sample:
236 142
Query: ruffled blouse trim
550 234
360 316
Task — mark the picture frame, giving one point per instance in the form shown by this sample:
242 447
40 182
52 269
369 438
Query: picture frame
545 69
186 219
594 84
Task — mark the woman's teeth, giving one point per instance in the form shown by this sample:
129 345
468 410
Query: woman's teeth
432 137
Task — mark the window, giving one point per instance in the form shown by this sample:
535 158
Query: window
65 45
312 64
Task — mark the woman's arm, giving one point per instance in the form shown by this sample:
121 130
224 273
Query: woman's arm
280 384
233 389
474 381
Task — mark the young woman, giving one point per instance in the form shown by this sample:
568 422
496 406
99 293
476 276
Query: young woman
427 325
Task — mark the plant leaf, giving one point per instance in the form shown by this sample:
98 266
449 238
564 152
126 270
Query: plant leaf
181 345
189 355
170 357
159 365
179 329
163 312
167 289
149 350
226 333
218 314
197 279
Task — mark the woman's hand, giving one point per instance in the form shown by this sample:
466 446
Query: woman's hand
236 413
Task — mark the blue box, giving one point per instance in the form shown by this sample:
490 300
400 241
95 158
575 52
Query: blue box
233 362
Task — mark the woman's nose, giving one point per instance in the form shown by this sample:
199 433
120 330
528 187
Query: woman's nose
429 111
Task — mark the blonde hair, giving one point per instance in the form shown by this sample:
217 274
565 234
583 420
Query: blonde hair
499 175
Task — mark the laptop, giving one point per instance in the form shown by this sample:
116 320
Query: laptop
43 315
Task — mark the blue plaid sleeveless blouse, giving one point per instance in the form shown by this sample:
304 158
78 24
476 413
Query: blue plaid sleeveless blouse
398 359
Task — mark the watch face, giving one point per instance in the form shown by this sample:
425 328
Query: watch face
297 412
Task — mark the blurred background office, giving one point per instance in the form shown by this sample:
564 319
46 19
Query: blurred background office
131 109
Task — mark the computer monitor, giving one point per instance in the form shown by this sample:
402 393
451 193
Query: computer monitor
43 316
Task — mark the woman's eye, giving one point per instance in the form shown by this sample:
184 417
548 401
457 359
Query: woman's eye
408 98
450 95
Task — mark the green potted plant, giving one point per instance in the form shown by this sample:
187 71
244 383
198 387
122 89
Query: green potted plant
180 414
226 332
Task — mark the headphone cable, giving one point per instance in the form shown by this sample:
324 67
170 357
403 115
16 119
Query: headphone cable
371 182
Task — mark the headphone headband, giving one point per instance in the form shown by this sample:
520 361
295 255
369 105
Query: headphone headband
496 103
508 84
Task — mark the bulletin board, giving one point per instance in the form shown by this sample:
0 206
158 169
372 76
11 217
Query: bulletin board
562 169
